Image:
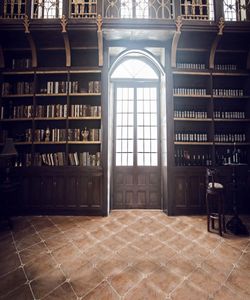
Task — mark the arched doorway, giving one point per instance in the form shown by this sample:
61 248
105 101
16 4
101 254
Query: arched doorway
136 147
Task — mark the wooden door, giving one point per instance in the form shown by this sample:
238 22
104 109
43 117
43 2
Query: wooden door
136 171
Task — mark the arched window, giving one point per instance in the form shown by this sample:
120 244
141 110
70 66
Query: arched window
134 68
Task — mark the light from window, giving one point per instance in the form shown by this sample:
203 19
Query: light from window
135 69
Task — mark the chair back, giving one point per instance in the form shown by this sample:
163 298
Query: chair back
212 179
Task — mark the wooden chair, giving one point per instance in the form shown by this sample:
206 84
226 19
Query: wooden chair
215 201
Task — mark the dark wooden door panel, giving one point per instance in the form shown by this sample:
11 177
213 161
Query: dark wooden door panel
71 192
180 191
95 192
58 192
82 191
137 187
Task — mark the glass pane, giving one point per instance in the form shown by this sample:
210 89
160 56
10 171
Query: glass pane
130 106
124 145
140 106
147 159
153 133
125 106
154 159
130 132
139 94
153 93
119 106
119 94
147 146
139 119
118 146
153 107
124 133
140 159
118 159
118 132
140 132
139 145
153 120
146 106
153 145
119 119
124 159
146 119
130 146
146 132
130 119
125 120
130 159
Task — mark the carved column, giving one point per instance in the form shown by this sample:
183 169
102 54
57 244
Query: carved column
100 40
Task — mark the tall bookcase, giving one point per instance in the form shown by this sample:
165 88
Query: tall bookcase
211 103
53 112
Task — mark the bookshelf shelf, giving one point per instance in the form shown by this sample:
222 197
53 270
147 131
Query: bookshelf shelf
84 142
194 119
194 143
17 120
84 118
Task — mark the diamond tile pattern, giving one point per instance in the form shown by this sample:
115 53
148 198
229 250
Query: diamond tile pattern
132 254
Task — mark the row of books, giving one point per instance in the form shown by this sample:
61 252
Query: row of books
190 137
56 87
49 111
60 134
189 91
92 134
58 159
229 114
191 66
51 87
228 92
19 88
190 114
82 110
85 159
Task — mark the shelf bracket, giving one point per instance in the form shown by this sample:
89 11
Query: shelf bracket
100 40
64 24
26 24
216 41
175 41
2 64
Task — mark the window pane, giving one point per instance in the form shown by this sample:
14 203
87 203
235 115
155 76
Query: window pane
140 159
153 145
130 132
153 107
140 132
118 159
147 159
146 132
119 106
130 159
124 145
146 145
140 106
130 119
118 132
146 106
124 133
140 145
153 133
119 119
118 146
124 159
154 159
146 119
153 120
130 146
139 119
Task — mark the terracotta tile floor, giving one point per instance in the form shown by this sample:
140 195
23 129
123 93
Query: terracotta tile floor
134 254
